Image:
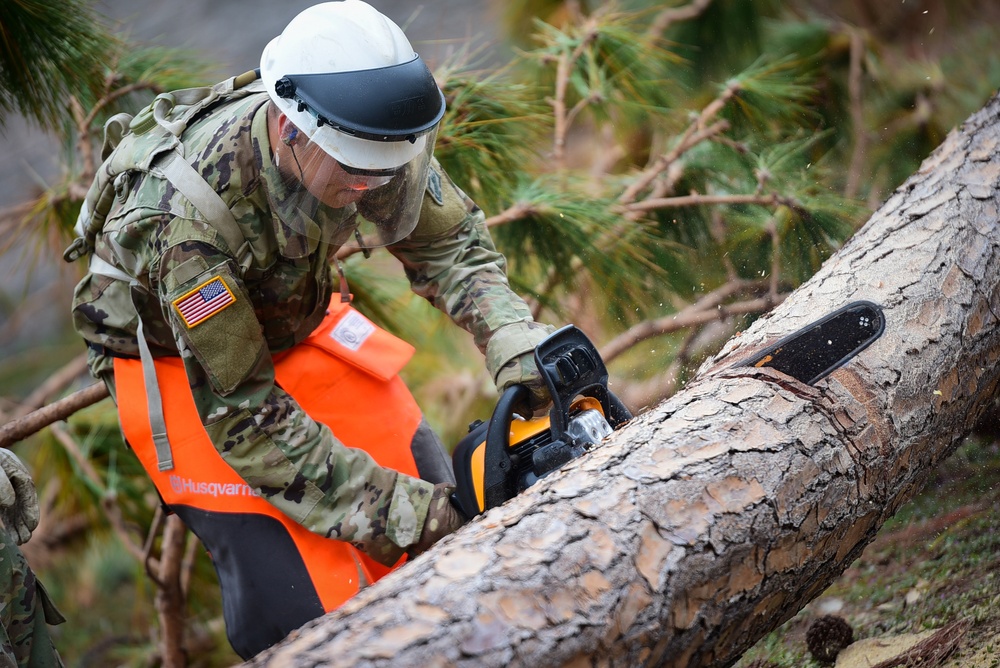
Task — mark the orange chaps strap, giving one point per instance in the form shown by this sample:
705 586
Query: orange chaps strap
276 575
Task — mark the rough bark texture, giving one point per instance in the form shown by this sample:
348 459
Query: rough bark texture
714 517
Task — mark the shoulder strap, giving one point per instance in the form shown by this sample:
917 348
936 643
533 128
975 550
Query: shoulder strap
183 176
170 112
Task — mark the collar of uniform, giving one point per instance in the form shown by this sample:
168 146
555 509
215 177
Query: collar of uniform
291 244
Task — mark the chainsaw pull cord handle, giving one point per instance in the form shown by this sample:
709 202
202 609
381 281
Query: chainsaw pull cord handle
498 483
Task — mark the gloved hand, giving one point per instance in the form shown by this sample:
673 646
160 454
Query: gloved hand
442 519
18 500
522 371
510 359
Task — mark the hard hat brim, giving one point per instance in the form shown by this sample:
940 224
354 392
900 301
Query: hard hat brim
365 153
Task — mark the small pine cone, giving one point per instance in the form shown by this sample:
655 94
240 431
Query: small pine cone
827 636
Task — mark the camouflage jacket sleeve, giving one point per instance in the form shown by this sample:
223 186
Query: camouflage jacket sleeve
295 462
451 261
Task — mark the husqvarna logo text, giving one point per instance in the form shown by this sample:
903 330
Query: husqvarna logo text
187 486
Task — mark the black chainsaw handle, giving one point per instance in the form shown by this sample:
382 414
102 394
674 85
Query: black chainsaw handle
571 366
498 483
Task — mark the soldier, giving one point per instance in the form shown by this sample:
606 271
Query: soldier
267 411
25 609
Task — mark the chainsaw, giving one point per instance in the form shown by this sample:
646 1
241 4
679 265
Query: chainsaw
500 459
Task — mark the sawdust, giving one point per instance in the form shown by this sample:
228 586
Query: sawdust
870 652
927 649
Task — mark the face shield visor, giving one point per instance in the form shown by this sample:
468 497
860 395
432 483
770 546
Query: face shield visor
320 198
351 164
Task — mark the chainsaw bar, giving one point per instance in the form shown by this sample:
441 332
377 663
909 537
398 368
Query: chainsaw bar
813 352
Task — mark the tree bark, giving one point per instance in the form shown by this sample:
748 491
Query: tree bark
714 517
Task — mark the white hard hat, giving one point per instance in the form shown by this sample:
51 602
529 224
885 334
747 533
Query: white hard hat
347 76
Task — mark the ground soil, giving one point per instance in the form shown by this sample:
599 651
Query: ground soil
935 563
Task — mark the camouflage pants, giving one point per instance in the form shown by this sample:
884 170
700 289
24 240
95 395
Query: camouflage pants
25 610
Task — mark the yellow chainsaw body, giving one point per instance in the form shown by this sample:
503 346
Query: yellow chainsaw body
520 431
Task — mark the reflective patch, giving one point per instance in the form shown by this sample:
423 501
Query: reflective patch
434 186
204 301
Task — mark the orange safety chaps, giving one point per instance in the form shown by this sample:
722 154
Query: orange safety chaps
275 575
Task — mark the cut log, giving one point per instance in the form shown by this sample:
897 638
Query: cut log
712 518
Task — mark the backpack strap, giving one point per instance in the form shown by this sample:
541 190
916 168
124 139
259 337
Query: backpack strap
175 169
171 113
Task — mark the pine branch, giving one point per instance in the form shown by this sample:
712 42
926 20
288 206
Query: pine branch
668 17
698 199
517 211
645 393
695 133
709 308
54 385
564 119
109 503
85 122
20 428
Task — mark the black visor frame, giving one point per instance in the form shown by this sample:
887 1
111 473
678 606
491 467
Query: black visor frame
394 103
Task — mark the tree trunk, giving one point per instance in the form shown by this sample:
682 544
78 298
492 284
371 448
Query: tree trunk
714 517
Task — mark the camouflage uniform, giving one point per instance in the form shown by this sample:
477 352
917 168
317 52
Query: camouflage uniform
282 283
24 612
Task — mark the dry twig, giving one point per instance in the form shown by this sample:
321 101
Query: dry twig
709 308
54 385
109 503
668 17
33 422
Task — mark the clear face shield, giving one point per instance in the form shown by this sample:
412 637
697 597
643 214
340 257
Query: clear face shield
350 166
323 199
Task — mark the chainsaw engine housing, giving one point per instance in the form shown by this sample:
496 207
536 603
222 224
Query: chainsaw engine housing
533 452
500 459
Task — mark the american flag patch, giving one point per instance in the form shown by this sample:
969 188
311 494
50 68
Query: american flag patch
204 301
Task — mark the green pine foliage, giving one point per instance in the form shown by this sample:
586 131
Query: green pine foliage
49 51
492 125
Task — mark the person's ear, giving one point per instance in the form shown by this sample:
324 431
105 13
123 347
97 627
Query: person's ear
287 130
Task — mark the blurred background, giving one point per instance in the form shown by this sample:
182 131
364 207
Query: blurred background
659 173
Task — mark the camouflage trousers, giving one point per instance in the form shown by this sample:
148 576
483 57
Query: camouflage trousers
25 611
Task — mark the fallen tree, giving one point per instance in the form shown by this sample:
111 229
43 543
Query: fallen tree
715 516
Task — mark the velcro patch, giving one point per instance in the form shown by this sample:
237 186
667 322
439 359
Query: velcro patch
434 186
204 301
